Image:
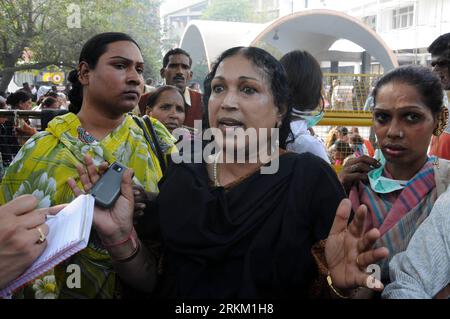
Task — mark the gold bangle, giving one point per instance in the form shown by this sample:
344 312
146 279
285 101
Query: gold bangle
330 283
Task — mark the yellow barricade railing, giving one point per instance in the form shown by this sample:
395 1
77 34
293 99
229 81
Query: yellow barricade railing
346 118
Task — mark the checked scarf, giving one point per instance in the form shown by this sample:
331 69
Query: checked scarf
397 215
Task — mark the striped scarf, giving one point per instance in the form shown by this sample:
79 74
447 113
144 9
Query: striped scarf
398 214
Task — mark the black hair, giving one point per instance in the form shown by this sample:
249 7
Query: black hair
17 97
154 95
439 45
276 78
92 50
48 102
356 139
305 79
342 129
51 94
173 52
424 80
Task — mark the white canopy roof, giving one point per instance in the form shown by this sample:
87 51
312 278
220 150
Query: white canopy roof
312 30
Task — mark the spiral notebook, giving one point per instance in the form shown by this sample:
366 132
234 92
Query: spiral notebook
68 233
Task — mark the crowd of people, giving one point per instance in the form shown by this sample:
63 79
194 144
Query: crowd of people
342 144
219 229
16 129
352 95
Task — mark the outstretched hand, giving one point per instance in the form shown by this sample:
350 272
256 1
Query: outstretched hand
115 223
349 252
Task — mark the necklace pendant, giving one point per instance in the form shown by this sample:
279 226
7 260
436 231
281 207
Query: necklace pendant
84 136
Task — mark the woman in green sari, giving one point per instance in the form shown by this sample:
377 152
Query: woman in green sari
107 84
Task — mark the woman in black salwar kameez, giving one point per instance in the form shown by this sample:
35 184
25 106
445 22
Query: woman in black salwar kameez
229 231
252 238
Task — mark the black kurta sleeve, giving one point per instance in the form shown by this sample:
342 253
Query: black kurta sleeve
327 193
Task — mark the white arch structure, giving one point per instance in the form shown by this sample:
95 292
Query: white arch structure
311 30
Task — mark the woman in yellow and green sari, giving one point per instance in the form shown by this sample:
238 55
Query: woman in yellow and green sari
106 85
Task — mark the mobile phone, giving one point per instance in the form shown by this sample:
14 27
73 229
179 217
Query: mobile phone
107 189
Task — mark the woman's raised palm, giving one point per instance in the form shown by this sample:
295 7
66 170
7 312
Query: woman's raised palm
348 250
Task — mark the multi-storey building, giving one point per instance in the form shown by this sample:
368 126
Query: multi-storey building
177 17
407 26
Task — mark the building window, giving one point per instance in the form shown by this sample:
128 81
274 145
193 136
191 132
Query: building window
403 17
371 22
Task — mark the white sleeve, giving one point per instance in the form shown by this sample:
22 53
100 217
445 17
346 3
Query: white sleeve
307 143
424 268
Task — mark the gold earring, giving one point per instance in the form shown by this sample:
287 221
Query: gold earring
442 122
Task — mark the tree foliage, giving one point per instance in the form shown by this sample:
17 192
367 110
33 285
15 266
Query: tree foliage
230 10
199 70
45 29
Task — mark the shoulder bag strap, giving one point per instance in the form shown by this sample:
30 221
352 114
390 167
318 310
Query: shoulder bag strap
152 141
159 152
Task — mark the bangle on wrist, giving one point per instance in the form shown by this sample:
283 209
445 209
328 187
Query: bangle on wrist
336 292
134 241
136 248
131 236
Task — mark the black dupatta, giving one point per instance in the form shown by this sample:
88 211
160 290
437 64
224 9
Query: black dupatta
252 240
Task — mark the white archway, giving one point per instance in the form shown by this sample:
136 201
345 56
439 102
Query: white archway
206 40
317 30
311 30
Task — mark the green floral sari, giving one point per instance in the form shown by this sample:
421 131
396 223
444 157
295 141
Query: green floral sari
45 163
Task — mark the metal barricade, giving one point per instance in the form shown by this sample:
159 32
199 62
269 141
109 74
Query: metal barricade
348 92
361 120
16 127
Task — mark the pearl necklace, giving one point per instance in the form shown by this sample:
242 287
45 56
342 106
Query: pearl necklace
215 175
216 169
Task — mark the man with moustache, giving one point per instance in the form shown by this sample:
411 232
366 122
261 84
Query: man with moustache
177 71
440 61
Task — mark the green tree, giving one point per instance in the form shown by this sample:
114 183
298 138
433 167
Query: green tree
141 21
50 31
230 10
200 71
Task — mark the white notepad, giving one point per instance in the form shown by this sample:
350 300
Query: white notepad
68 233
